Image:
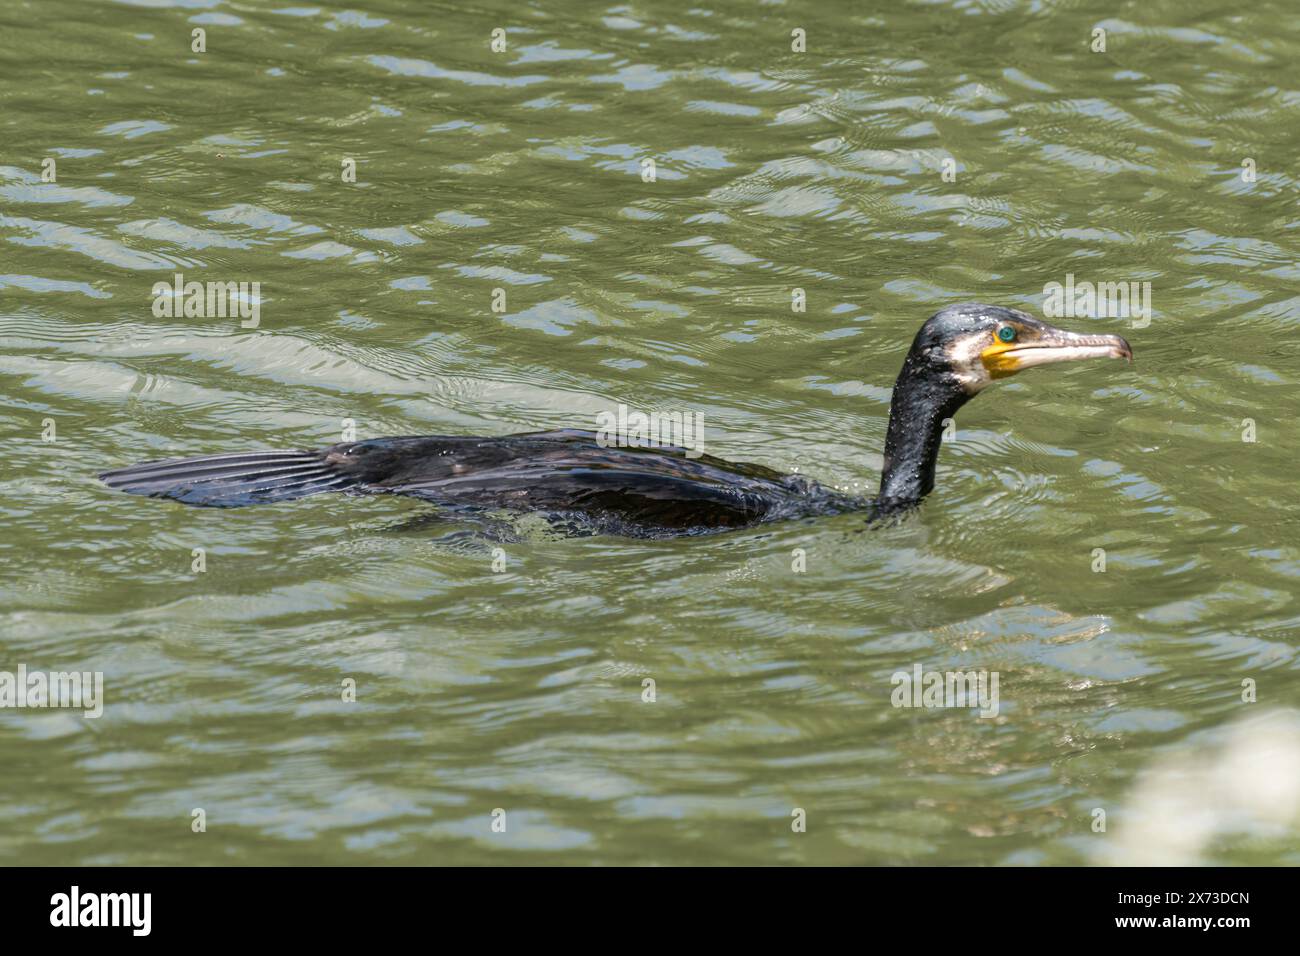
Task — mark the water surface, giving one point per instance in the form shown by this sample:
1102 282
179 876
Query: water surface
522 689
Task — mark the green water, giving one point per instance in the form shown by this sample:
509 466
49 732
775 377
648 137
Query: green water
522 689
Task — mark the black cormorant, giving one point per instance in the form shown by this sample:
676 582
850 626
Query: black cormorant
643 492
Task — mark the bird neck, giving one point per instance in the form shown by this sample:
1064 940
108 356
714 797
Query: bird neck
922 400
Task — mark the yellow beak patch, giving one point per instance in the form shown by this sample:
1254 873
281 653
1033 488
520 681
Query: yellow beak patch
997 362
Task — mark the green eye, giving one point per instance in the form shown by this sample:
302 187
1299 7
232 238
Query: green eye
1007 333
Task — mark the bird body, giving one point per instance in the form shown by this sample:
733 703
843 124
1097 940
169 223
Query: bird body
564 474
573 476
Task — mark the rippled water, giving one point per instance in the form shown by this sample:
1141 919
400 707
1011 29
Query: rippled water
522 690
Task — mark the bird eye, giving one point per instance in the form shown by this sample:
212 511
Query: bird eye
1007 333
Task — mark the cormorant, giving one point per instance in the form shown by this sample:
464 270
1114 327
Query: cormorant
643 492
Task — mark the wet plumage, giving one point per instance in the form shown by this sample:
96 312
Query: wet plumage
647 492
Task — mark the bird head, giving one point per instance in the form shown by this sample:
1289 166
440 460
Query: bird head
974 345
958 352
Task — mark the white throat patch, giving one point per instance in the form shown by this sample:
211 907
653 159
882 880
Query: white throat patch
967 366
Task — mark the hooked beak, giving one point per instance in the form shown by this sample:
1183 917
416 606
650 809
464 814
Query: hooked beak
1052 345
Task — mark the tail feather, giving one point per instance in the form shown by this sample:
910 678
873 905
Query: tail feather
191 469
233 480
